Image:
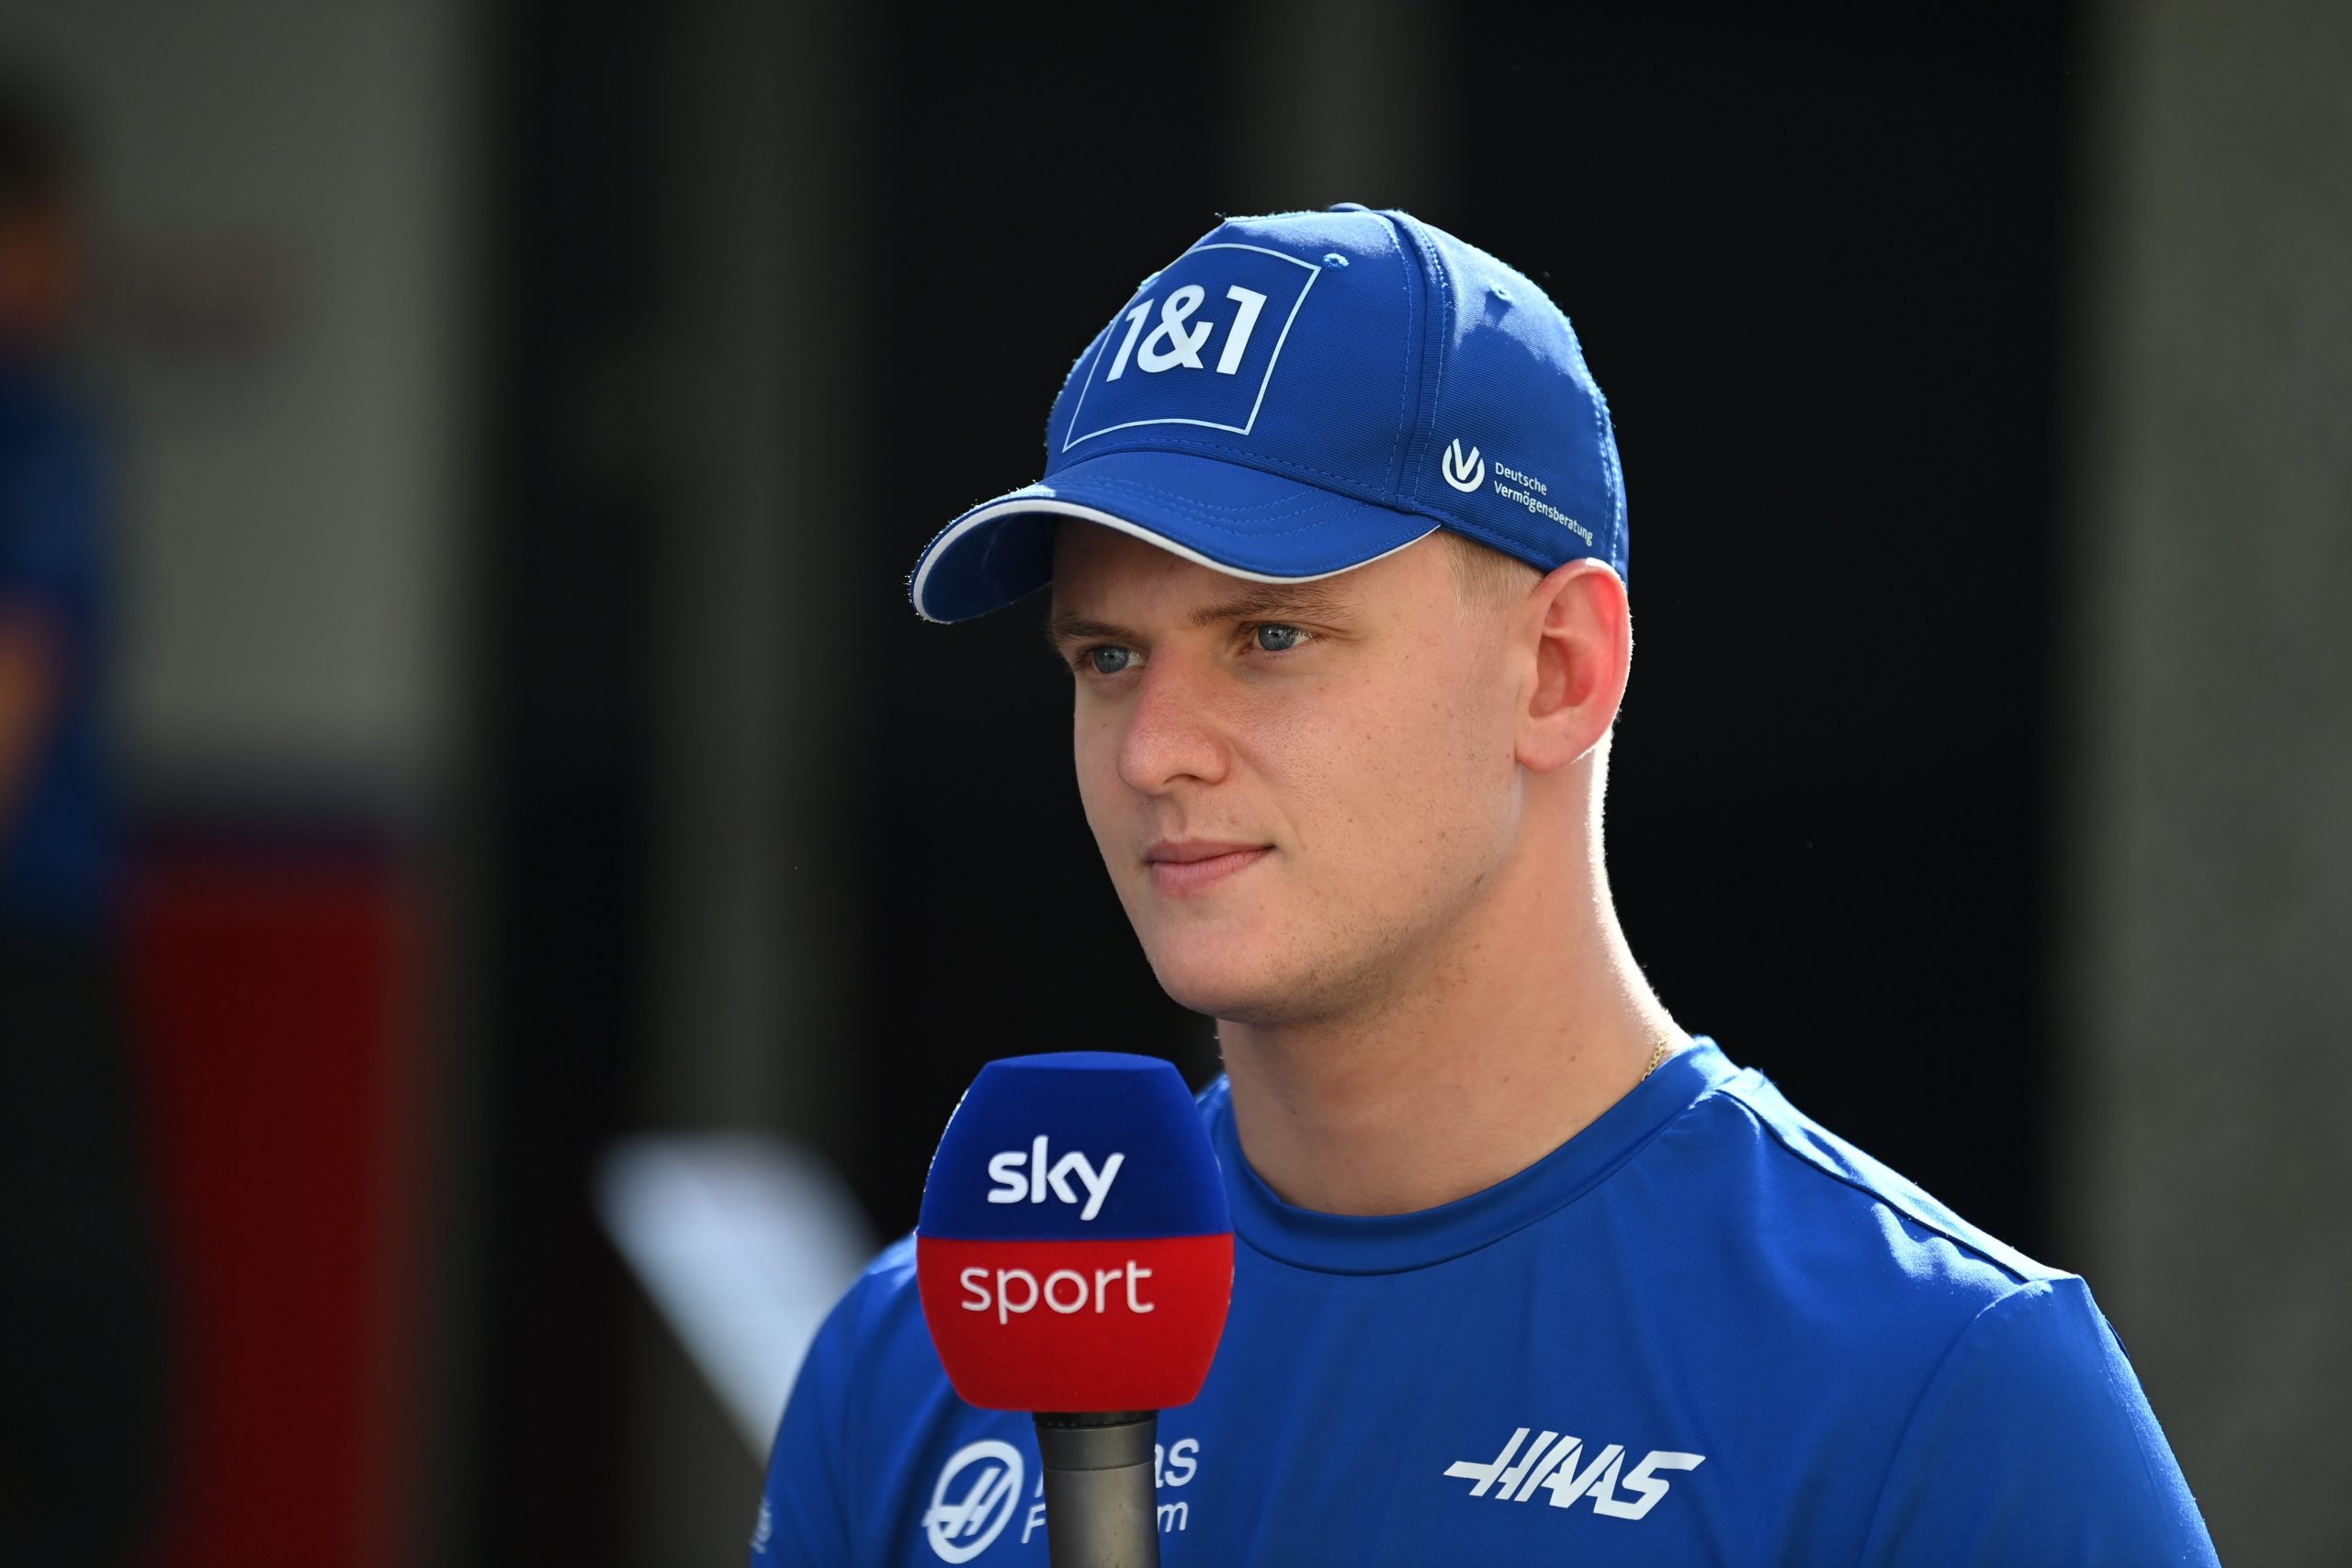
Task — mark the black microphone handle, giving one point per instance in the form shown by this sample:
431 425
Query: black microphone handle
1101 1497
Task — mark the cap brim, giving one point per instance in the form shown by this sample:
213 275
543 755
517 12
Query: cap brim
1241 521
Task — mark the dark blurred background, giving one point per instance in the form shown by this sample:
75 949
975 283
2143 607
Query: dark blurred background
519 421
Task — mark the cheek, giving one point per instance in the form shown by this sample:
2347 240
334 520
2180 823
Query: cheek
1095 752
1400 785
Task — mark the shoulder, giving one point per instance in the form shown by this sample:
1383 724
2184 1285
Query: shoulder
875 1342
880 1309
1866 1293
1823 1178
1823 1265
1801 1190
870 1384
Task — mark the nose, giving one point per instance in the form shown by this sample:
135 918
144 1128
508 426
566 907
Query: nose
1173 732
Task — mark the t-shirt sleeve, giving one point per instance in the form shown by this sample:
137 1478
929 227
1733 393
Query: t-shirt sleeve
2034 1444
802 1519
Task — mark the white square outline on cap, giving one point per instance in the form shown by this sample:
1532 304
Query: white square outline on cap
1313 272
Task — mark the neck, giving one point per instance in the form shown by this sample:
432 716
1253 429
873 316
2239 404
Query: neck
1479 1062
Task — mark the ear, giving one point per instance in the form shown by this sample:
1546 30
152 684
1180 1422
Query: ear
1575 637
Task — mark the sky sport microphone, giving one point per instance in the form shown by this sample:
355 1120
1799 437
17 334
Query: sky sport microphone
1075 1257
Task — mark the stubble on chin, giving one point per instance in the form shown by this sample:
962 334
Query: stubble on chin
1283 983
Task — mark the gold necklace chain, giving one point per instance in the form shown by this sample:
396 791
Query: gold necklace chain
1658 1054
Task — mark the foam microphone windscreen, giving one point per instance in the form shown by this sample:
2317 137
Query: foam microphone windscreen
1075 1253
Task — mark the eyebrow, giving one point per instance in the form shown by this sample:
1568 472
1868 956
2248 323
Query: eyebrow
1257 600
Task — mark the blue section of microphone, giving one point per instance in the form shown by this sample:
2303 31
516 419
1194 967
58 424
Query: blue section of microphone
1077 1146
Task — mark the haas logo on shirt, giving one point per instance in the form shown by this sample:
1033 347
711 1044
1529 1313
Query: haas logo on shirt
978 1490
1557 1463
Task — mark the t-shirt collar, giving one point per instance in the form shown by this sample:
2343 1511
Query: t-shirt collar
1388 1244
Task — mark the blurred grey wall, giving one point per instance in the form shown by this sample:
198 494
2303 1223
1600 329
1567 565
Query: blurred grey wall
2200 1137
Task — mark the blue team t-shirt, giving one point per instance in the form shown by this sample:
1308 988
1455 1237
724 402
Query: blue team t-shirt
1702 1330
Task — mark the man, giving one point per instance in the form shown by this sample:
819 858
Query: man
1336 538
82 1335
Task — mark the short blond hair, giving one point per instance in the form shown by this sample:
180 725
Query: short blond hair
1484 578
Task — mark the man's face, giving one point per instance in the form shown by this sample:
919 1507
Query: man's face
1299 790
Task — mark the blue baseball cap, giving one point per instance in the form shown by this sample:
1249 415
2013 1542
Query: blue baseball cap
1299 394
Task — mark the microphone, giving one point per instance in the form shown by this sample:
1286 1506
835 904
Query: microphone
1075 1260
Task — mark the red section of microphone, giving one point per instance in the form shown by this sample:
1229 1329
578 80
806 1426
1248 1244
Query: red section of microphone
1076 1325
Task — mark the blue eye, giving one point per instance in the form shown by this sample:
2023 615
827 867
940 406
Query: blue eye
1109 660
1275 638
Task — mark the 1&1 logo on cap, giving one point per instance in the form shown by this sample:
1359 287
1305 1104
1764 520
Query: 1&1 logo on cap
1198 347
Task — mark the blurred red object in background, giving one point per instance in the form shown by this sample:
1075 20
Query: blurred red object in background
278 994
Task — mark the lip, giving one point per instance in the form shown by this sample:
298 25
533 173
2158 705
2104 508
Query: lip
1192 865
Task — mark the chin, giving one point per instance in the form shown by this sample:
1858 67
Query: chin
1211 976
1227 977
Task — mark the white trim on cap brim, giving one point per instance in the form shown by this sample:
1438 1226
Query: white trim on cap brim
941 545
